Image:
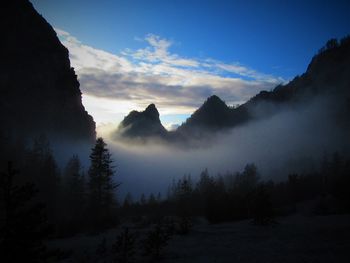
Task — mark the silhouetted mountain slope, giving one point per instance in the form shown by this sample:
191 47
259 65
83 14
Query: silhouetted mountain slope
213 115
39 89
142 124
328 74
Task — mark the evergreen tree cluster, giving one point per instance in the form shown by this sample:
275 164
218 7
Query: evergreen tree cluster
243 195
70 199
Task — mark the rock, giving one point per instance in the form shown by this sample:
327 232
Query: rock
142 124
39 89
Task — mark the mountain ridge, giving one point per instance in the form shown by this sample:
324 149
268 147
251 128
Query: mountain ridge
328 74
142 124
40 90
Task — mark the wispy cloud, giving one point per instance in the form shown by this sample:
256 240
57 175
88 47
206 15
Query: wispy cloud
158 52
154 74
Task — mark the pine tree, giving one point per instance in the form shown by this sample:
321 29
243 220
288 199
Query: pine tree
155 241
262 210
184 204
101 185
124 248
143 200
128 201
41 168
23 223
152 200
74 193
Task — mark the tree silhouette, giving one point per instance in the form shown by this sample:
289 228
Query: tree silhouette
152 200
143 200
332 43
124 249
184 193
101 183
23 222
41 168
128 201
261 206
155 241
74 194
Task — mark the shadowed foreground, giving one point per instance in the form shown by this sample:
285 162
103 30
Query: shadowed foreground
295 238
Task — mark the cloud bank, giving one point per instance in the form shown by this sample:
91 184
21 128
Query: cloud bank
153 74
293 140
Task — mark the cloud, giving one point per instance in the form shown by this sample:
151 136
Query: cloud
157 51
292 140
153 74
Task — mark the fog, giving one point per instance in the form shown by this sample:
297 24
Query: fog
293 139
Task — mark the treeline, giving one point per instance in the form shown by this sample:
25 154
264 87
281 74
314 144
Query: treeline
243 195
73 199
334 43
39 201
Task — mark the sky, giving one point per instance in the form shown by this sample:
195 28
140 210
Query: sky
130 53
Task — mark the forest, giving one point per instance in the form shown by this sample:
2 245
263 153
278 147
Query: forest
40 202
263 177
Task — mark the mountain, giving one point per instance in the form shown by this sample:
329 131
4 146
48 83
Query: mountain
39 89
327 77
213 115
327 74
142 124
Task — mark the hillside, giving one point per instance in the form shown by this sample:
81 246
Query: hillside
327 77
39 89
142 124
328 74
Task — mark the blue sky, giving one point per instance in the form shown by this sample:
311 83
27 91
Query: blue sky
246 45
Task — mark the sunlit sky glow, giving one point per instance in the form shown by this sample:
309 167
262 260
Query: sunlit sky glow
128 54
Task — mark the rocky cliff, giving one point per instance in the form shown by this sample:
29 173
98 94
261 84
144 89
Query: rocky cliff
327 77
39 89
142 124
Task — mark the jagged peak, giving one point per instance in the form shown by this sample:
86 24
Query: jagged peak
214 102
151 107
152 111
214 98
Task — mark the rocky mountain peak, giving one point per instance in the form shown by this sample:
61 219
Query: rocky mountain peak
142 124
152 112
39 89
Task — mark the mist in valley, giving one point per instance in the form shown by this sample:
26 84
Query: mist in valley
293 139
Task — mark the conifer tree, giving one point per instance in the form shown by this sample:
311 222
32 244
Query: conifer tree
74 192
101 183
143 200
128 201
124 248
41 168
23 223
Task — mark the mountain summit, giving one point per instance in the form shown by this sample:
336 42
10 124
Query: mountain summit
152 113
213 114
142 124
39 89
327 77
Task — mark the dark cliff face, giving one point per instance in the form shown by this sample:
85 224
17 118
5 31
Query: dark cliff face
212 116
142 124
39 89
327 75
214 113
